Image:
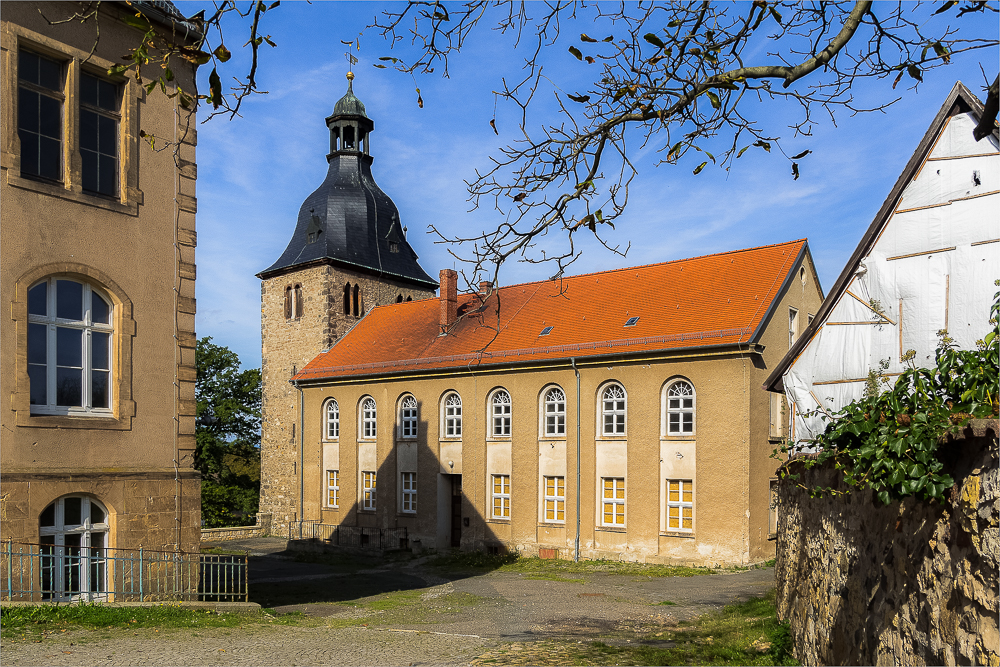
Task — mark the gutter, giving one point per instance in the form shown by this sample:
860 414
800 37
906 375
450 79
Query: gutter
538 364
576 552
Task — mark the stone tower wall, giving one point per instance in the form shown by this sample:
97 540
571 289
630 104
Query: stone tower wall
287 346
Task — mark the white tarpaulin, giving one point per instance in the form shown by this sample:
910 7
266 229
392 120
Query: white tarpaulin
931 268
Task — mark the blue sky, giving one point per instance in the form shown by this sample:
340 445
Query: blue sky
255 171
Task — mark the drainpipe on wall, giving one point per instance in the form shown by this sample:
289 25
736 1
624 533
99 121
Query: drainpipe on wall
302 458
576 553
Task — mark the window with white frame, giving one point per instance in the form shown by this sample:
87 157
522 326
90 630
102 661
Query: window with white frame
73 533
613 409
409 486
680 408
70 342
368 490
453 416
332 418
501 496
100 117
555 499
408 417
680 505
555 412
777 415
333 488
501 413
368 418
793 325
613 501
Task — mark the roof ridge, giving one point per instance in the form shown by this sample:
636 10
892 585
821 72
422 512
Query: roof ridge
651 264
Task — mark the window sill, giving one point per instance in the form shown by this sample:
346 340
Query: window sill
458 439
674 438
552 438
131 207
775 439
611 529
95 422
329 441
772 537
678 533
551 524
497 520
498 438
612 438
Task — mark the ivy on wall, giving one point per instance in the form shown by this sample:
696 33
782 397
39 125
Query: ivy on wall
888 441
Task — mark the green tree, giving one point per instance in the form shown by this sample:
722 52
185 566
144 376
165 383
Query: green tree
228 435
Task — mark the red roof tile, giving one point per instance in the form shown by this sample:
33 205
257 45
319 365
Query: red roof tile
709 300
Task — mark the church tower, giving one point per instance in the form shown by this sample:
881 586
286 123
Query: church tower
348 254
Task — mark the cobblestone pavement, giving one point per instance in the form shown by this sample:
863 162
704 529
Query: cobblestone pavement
402 614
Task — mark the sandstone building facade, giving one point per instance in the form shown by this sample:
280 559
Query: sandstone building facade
347 254
97 274
617 414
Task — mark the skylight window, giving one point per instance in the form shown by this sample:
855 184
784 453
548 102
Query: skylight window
546 331
631 321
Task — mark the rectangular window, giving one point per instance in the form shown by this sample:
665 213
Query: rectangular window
501 496
772 508
409 492
40 116
793 325
333 488
680 505
614 501
99 121
777 415
453 416
555 499
408 416
368 486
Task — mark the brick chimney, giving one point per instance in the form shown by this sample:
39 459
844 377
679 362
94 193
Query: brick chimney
485 286
449 298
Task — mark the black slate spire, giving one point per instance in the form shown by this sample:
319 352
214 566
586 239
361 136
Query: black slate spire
348 220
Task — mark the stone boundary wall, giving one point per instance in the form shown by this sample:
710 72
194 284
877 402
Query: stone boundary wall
261 529
909 583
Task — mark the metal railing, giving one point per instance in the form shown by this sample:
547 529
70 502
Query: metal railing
361 537
57 573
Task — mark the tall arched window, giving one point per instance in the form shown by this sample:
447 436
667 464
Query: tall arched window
680 408
70 343
297 301
73 532
357 301
613 409
332 412
368 416
500 408
288 302
408 417
347 299
555 412
399 299
453 416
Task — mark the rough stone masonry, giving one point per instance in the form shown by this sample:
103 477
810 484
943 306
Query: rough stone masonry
909 583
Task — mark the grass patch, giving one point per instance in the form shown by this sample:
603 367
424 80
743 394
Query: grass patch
745 633
668 602
544 568
45 619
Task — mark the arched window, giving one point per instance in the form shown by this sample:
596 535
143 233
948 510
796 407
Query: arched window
613 409
357 301
368 418
73 532
288 302
680 408
500 411
297 301
332 413
408 417
409 298
555 412
399 299
70 343
453 416
347 299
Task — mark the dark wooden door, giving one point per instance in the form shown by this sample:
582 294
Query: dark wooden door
456 510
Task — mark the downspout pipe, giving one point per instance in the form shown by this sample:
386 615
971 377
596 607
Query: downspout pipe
302 457
576 552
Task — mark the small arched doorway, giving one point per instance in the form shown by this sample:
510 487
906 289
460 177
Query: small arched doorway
73 533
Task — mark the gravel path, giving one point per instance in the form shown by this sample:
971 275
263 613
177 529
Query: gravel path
412 615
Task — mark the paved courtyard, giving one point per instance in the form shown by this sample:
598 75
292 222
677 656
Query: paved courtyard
404 612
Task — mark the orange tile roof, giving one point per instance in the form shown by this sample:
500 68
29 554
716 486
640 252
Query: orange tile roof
703 301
